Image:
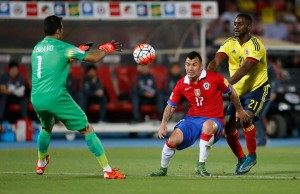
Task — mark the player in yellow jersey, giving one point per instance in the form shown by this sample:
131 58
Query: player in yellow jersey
248 74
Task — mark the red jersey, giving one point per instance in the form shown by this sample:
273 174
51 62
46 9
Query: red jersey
205 97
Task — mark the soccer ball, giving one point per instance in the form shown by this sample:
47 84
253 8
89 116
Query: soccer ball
144 54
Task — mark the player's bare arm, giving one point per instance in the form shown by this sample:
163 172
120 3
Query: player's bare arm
241 114
96 55
215 63
162 131
241 72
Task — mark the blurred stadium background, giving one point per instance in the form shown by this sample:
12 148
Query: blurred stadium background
173 28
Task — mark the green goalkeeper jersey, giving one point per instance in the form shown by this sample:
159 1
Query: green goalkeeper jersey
50 70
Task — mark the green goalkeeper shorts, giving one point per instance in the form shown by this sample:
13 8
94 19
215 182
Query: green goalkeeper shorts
64 108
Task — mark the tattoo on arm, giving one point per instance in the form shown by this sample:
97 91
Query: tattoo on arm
169 110
235 99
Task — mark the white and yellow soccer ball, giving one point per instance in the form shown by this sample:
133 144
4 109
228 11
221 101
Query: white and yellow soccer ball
144 54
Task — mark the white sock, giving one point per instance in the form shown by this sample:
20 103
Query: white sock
42 163
107 169
205 148
166 155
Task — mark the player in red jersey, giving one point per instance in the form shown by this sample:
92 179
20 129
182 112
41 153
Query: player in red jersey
203 91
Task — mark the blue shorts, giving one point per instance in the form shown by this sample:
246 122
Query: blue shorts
191 128
254 101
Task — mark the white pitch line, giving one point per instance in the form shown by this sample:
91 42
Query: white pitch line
214 177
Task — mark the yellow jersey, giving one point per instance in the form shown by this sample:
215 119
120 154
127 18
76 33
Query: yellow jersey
252 50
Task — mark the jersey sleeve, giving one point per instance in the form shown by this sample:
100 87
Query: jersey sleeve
256 51
175 96
224 48
73 52
224 85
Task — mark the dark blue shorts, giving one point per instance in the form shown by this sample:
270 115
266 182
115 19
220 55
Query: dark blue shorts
254 101
191 128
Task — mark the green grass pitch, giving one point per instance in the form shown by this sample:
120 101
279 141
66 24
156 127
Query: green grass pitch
76 171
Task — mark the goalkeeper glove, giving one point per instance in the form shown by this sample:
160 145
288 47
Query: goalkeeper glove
111 46
86 47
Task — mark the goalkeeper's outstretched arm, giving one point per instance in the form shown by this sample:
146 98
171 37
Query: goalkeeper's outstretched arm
96 55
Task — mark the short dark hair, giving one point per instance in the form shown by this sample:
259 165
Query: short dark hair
246 16
174 64
52 24
90 67
13 64
193 55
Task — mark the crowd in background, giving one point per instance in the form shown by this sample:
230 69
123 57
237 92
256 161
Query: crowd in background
89 91
275 19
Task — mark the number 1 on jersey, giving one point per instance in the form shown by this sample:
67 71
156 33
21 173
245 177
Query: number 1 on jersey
39 66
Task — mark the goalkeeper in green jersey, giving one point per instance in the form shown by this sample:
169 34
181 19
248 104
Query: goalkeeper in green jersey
50 68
